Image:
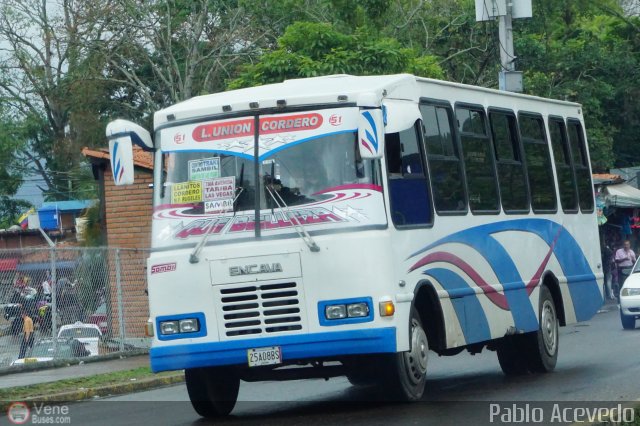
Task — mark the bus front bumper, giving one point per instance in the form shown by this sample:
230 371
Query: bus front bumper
294 347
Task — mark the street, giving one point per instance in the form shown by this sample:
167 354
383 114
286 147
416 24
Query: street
597 362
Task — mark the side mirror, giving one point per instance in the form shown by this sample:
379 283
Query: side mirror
371 133
122 134
121 153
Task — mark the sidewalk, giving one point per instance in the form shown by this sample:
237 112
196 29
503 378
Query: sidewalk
33 376
25 378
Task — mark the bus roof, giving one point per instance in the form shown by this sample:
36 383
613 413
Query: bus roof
317 90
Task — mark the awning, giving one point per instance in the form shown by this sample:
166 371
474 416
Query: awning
43 266
622 195
8 264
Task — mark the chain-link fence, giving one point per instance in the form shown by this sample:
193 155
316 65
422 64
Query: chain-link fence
82 302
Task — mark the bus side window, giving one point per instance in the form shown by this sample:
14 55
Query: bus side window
581 164
443 156
537 159
514 193
562 160
482 186
408 186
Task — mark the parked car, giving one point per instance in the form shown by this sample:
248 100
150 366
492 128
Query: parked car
43 350
630 299
99 318
89 334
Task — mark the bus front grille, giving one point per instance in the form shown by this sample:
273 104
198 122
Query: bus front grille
260 309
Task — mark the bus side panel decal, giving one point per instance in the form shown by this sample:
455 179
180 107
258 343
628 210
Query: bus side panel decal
515 298
583 287
471 316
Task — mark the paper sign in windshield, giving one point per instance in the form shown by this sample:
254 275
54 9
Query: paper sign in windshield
207 168
218 206
218 189
186 192
218 194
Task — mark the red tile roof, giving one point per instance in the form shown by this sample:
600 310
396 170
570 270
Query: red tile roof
140 158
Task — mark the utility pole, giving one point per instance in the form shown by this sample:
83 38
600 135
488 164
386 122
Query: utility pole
505 10
505 35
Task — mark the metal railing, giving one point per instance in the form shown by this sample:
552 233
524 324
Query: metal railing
82 301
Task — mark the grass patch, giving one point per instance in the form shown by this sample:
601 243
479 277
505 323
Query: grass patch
20 393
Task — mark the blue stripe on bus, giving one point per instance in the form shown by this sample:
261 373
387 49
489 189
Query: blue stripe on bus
583 287
524 316
299 346
471 316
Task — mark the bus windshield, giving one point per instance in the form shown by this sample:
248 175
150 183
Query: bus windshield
309 173
215 183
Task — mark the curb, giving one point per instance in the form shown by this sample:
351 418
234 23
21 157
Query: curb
82 394
57 363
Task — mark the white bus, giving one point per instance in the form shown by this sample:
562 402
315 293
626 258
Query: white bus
347 225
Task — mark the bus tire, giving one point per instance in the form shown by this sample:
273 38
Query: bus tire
213 391
511 356
628 321
543 344
406 375
362 371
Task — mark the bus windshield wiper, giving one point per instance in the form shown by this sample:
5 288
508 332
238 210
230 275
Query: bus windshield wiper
283 208
193 258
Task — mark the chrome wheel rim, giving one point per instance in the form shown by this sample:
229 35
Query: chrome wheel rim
415 360
549 327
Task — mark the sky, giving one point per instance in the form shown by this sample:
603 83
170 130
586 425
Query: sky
30 192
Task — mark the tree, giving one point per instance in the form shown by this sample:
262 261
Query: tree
11 171
163 52
47 70
582 52
309 49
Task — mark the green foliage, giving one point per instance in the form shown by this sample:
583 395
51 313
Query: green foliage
11 170
94 236
426 66
577 53
309 49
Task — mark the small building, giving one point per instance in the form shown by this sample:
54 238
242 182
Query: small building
125 211
61 215
126 218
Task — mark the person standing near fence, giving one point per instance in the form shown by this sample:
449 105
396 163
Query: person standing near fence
46 287
27 334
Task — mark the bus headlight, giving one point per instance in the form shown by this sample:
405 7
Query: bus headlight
189 325
169 327
335 312
352 310
357 310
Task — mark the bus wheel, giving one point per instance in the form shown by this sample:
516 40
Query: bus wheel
363 370
213 391
543 344
511 356
406 376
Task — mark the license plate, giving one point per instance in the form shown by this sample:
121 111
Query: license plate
28 360
264 356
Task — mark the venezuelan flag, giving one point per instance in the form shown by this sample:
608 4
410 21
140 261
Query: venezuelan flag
23 220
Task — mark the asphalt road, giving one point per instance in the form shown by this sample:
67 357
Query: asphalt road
598 362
